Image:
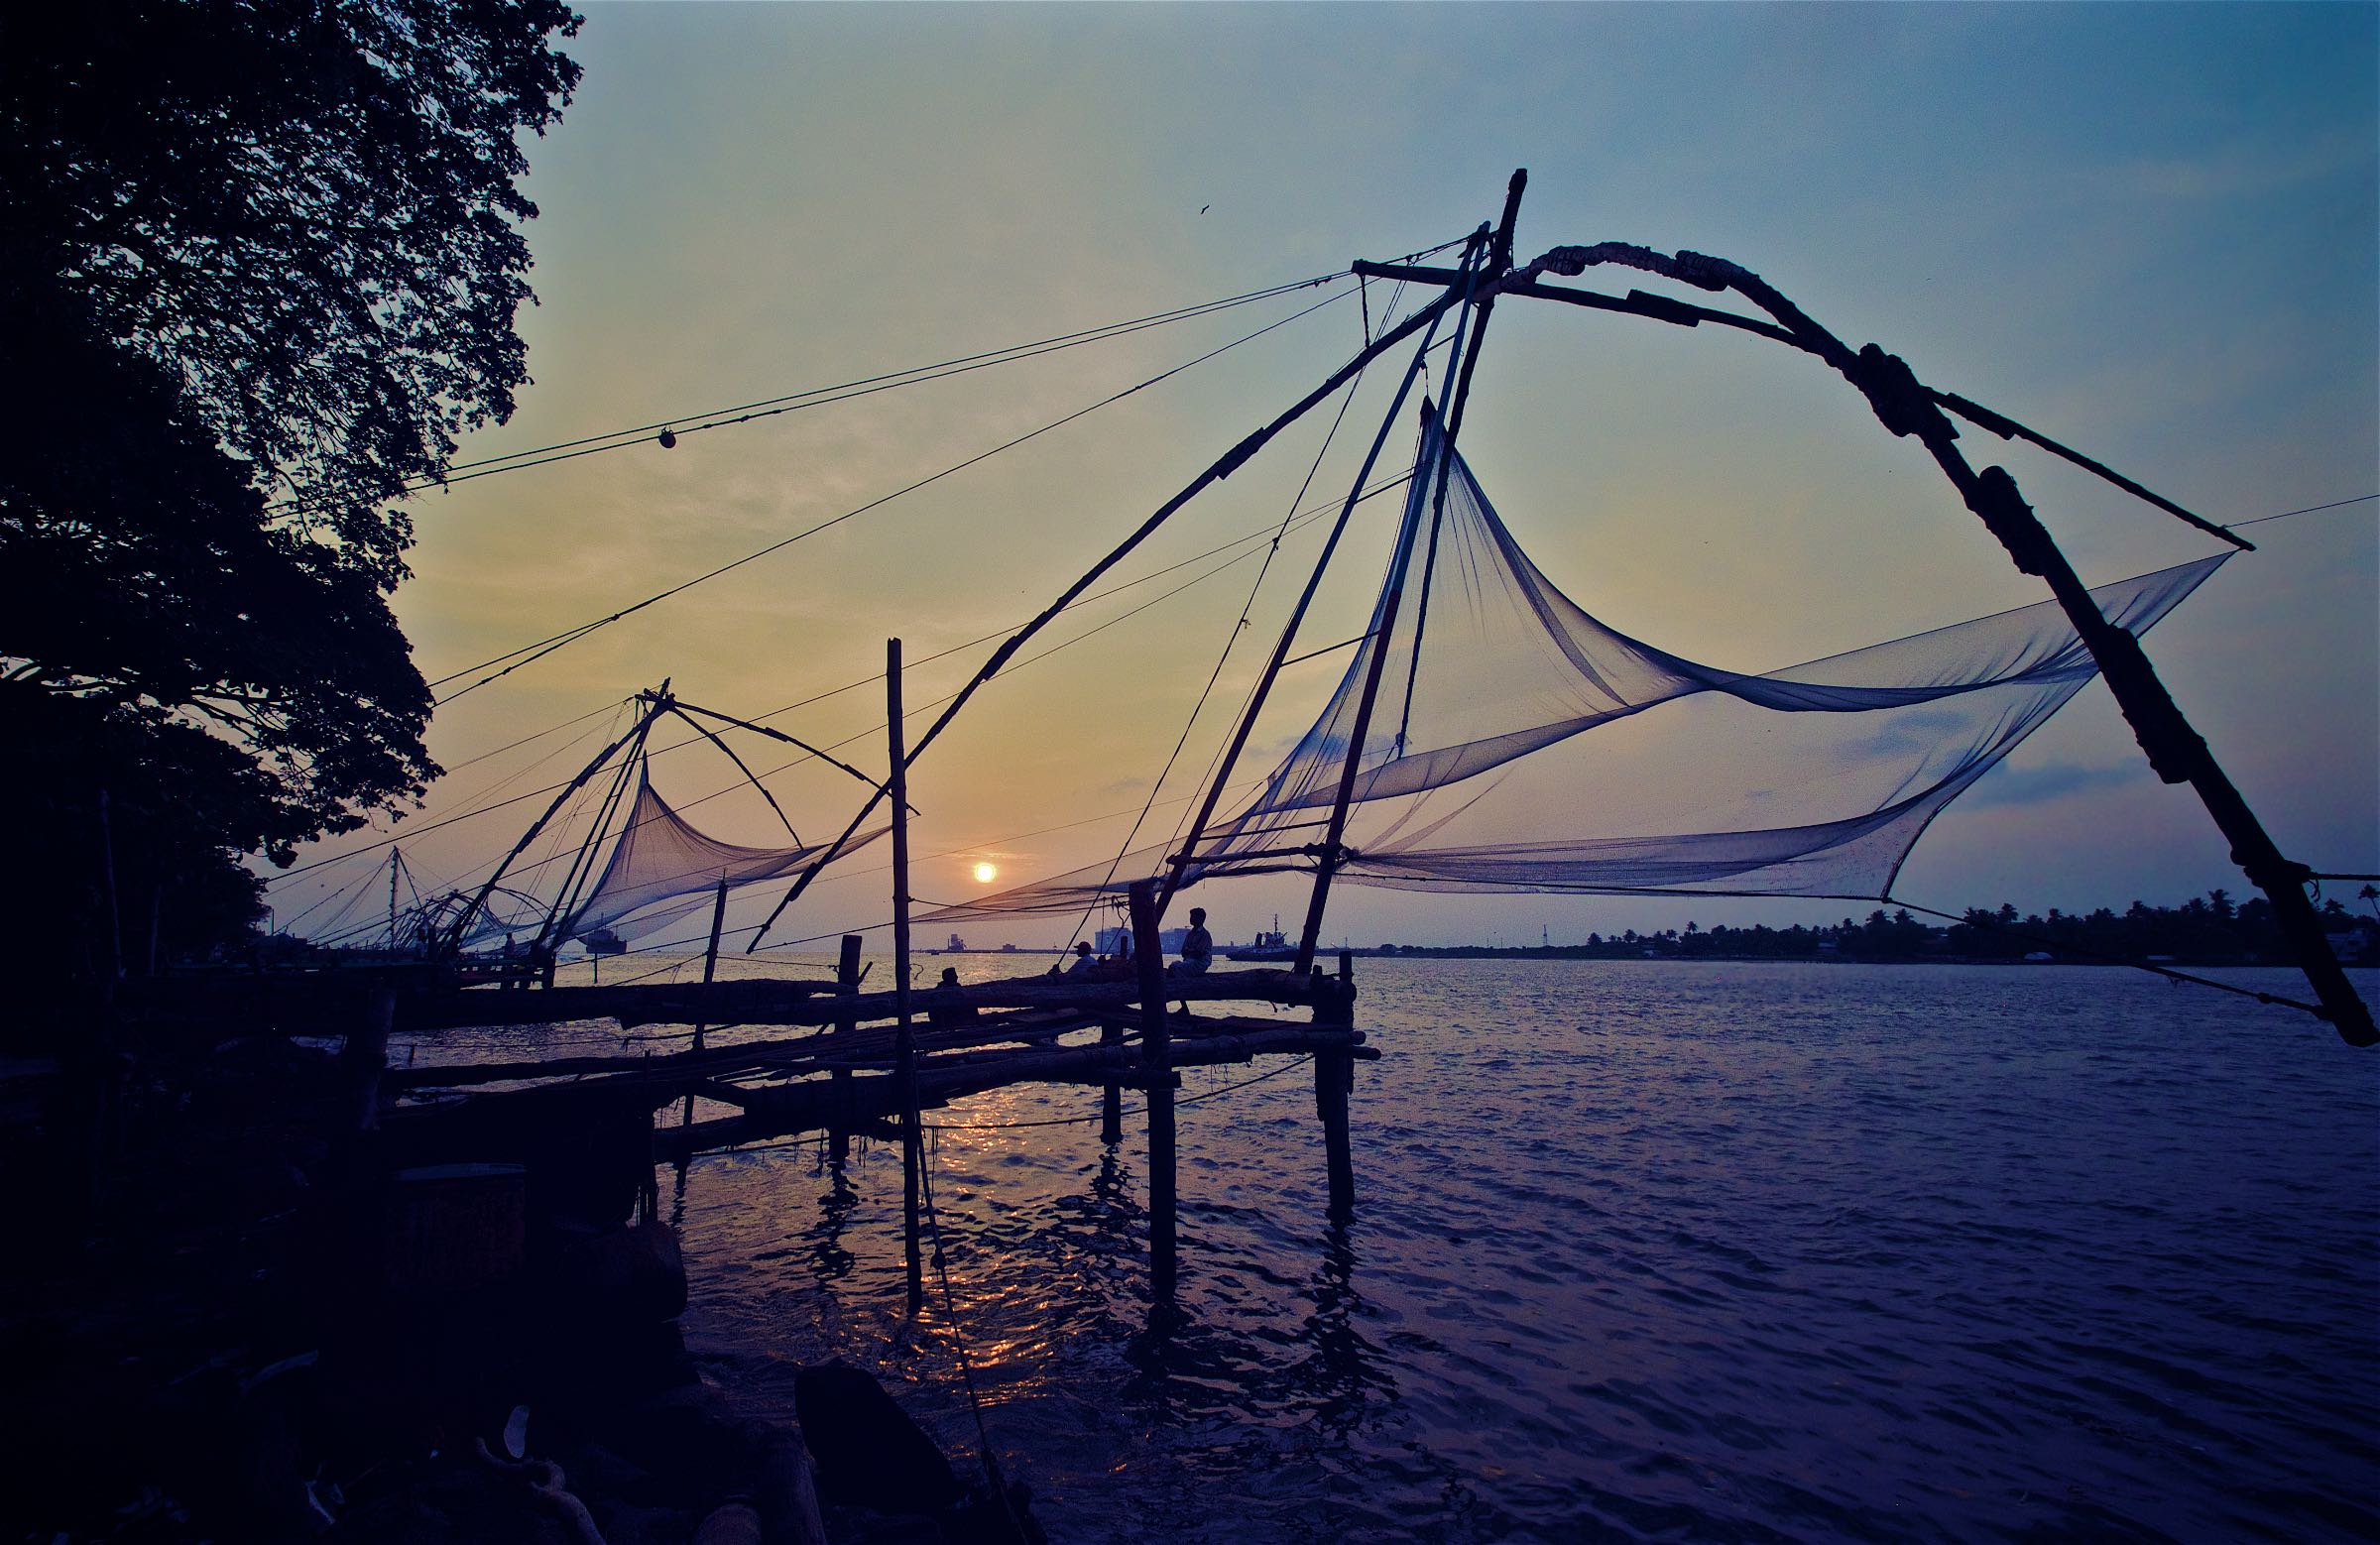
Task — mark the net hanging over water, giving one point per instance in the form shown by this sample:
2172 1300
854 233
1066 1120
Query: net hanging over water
662 869
1478 771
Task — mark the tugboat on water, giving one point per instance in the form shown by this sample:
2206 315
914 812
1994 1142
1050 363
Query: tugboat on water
603 941
1269 945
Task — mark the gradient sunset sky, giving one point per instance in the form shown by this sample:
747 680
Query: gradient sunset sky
2152 232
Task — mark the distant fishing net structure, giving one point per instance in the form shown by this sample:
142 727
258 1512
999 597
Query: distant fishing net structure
659 866
1478 771
662 858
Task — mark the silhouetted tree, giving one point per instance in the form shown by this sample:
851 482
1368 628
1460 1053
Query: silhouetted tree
259 265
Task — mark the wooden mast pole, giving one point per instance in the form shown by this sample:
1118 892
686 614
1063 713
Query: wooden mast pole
710 959
1179 862
1499 260
905 1036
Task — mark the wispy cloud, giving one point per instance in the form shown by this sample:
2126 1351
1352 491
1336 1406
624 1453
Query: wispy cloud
2044 785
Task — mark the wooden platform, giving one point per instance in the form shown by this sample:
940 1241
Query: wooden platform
842 1075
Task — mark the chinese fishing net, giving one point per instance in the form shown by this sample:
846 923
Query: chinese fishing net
1479 771
662 869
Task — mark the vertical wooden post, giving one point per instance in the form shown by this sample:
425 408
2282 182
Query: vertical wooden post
1499 262
847 982
904 1036
710 968
710 961
1111 1095
1334 1078
1156 1062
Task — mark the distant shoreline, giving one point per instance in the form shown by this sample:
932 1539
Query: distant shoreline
1699 957
1326 954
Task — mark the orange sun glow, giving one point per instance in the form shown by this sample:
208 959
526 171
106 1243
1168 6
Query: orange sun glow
984 873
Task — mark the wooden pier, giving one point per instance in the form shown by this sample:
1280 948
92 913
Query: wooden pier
849 1066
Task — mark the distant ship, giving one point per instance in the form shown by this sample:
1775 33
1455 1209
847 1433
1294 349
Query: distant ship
603 941
1269 945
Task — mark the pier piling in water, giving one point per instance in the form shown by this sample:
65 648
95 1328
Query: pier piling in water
1334 1079
1111 1097
849 1065
847 984
1156 1063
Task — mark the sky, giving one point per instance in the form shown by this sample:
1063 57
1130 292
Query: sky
2151 232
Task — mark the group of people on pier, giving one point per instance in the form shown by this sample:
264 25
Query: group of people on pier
1198 953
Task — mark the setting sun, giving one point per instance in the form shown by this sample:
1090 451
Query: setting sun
984 873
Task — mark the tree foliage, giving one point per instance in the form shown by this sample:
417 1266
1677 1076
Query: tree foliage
260 262
302 209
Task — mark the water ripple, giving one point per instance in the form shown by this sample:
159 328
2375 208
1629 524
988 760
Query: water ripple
1649 1251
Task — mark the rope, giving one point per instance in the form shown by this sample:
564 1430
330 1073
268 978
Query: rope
958 1343
1223 657
813 396
2111 960
2336 504
766 408
531 654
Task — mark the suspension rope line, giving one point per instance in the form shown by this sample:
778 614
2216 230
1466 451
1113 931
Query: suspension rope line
716 418
2336 504
1223 657
531 654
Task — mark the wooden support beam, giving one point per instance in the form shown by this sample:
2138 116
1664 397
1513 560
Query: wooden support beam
768 1002
764 1002
1462 362
1408 273
364 1057
863 1047
737 1095
775 1111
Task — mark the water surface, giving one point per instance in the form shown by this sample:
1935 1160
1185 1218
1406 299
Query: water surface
1645 1251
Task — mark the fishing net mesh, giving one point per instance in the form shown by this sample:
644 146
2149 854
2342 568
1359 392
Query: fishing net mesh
1477 771
662 869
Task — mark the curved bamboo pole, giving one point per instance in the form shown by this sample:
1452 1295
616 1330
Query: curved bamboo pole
1909 408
